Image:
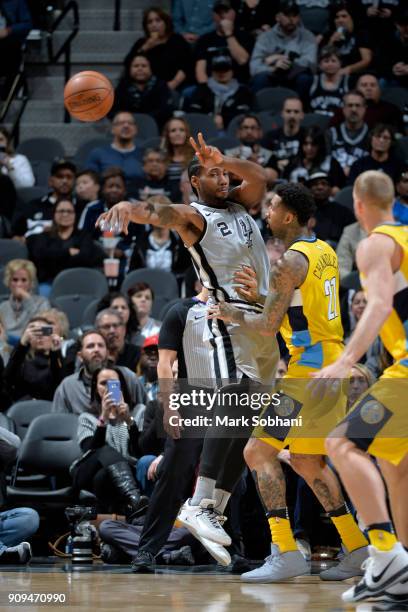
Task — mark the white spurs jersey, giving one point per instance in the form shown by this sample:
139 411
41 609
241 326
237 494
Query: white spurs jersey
230 239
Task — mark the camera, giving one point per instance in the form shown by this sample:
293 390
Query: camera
47 330
292 56
83 535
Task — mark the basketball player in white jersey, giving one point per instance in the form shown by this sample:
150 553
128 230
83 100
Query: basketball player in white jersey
221 237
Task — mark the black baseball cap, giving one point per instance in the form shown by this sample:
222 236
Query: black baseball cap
62 164
288 7
222 63
222 5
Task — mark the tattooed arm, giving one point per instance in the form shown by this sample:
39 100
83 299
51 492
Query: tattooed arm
287 274
184 219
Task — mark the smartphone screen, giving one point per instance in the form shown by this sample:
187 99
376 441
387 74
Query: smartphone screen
114 389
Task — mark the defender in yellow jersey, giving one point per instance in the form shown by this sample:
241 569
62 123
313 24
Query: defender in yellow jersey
378 423
303 303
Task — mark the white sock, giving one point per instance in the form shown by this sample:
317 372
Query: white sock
204 490
221 499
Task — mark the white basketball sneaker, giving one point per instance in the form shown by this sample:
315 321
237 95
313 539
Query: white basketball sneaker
203 521
383 570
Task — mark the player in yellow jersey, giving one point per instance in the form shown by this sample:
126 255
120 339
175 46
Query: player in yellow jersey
378 422
303 303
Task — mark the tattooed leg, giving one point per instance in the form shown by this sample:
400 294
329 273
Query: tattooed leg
267 472
320 478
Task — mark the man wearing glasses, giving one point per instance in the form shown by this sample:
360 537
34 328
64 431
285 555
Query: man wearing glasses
110 325
122 152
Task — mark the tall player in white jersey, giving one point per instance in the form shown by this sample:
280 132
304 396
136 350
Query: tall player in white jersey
221 237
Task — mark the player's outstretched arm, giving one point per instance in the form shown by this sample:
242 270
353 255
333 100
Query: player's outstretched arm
374 260
288 273
173 216
253 186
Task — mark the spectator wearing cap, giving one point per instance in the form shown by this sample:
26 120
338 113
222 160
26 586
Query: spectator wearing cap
15 24
140 91
147 368
38 214
400 210
286 54
112 327
192 18
160 248
381 156
223 40
168 52
349 140
222 95
329 85
330 217
353 44
74 393
122 152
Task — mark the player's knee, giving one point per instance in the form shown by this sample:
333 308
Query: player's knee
306 465
256 452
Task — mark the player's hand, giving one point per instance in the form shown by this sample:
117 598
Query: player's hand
116 219
328 381
225 312
207 156
246 284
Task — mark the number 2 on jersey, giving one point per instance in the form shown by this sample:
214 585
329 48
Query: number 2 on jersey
330 290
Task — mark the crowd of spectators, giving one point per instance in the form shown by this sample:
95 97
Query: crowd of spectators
211 58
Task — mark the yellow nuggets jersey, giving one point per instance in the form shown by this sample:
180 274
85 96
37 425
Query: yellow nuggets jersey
313 318
394 333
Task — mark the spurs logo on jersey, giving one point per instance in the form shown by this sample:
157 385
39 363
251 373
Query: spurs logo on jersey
246 230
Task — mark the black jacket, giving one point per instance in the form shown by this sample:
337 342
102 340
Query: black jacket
180 259
155 100
204 101
50 253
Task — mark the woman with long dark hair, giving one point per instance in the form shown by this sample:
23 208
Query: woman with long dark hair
176 145
168 52
314 157
62 247
108 437
142 297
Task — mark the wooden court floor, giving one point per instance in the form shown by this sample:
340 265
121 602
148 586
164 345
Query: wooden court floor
120 590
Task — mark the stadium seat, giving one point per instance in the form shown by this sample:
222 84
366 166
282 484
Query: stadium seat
272 98
269 121
26 194
152 143
41 169
164 285
146 126
199 122
402 147
49 447
23 413
41 148
11 249
315 19
345 197
79 281
312 119
396 95
74 306
89 314
224 142
85 148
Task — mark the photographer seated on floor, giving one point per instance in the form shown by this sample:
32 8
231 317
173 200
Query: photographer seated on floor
17 524
108 437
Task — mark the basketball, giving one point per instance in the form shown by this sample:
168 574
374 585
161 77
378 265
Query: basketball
88 96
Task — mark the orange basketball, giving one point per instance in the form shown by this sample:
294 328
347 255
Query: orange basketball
88 96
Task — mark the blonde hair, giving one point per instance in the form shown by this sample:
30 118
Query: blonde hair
375 189
57 317
20 264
